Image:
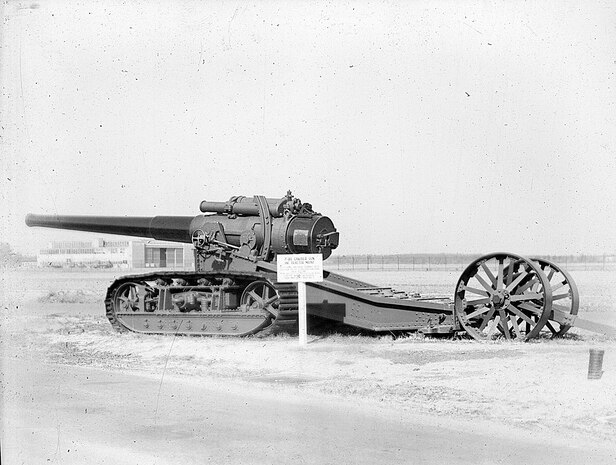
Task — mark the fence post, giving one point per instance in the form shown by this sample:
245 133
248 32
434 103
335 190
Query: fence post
367 262
603 262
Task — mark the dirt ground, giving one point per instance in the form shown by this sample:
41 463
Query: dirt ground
542 387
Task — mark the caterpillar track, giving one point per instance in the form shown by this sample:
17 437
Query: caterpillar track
224 303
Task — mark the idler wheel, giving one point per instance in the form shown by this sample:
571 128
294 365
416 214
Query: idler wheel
503 295
134 297
261 295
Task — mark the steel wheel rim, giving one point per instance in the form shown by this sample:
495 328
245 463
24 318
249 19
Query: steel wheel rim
134 297
261 294
503 295
127 298
565 295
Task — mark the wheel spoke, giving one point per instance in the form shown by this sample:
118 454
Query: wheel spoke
551 328
476 291
481 311
560 296
523 297
493 327
488 272
561 308
530 308
517 280
487 318
472 303
516 327
557 287
499 280
256 297
510 273
517 312
504 324
527 285
486 286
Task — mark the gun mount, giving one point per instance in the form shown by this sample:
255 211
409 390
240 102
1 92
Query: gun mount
259 228
234 290
252 228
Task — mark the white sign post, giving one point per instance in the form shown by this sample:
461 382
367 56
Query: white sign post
300 269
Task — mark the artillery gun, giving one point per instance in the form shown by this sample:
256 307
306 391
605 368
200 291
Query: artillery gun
234 289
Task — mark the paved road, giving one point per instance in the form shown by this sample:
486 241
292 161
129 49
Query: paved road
77 415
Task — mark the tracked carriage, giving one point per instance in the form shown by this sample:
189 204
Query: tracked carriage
215 303
234 289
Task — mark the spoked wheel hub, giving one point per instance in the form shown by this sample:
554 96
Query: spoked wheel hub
500 299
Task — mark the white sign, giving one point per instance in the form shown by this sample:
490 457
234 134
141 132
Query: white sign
300 268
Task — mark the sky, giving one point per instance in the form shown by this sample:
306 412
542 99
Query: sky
419 126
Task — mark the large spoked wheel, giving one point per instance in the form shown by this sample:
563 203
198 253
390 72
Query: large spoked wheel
503 295
565 296
134 297
261 295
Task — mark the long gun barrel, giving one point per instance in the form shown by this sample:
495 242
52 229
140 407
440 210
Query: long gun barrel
254 228
164 228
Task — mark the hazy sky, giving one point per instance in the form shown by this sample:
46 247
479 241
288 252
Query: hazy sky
418 126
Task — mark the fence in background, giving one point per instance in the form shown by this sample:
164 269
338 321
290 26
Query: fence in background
456 262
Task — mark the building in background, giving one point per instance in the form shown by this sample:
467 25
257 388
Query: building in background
101 253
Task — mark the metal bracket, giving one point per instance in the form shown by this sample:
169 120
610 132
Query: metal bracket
211 240
214 233
328 240
266 224
562 317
